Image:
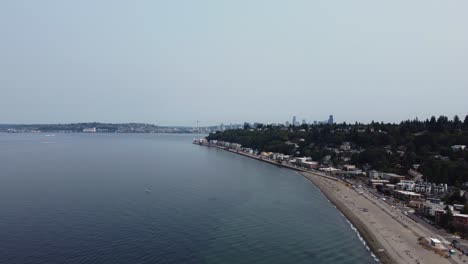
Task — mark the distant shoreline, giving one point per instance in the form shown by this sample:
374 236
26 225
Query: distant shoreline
363 231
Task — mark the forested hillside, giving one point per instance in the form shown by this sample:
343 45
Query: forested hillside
386 147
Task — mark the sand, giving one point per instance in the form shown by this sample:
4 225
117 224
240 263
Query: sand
393 238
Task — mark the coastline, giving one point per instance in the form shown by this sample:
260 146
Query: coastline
370 240
389 236
362 231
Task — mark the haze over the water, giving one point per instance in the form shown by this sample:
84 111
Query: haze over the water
175 62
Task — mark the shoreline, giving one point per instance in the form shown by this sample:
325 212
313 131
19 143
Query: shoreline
370 242
389 237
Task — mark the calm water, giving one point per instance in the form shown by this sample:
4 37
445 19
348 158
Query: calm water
80 198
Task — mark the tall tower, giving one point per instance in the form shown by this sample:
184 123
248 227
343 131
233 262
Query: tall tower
294 121
330 120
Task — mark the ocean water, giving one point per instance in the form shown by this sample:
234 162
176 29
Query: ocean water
149 198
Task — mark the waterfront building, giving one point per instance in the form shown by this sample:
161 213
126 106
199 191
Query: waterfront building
89 130
460 223
429 209
406 195
235 146
375 183
388 176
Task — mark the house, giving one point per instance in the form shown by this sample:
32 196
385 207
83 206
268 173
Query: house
406 195
89 130
438 215
439 189
429 208
346 146
423 187
405 185
375 174
458 147
280 156
349 167
460 223
388 176
374 183
310 164
416 175
235 146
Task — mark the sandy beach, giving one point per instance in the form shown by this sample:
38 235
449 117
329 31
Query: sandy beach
391 238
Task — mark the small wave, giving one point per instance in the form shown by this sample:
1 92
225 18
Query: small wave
361 239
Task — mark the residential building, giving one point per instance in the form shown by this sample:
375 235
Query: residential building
310 164
460 223
346 146
429 208
375 174
458 147
348 167
235 146
405 185
438 215
375 182
406 195
89 130
389 176
439 189
423 187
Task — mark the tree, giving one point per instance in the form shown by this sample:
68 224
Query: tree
456 122
465 123
465 209
446 219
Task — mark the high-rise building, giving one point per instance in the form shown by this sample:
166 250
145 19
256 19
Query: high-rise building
330 120
304 121
294 121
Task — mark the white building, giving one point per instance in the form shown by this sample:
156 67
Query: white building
458 147
375 174
89 130
405 185
235 146
423 187
388 176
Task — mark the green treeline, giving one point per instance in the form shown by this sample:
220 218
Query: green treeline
386 147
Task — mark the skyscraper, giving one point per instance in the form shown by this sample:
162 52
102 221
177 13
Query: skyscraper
330 120
294 121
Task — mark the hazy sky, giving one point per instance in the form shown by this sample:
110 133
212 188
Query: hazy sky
174 62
